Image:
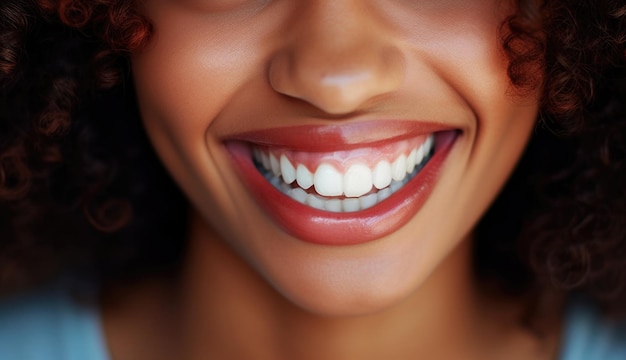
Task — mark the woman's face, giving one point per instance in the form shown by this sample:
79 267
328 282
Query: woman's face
343 148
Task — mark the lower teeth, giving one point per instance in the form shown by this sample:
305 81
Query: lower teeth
338 204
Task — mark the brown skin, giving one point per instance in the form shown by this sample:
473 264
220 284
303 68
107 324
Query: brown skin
251 291
160 319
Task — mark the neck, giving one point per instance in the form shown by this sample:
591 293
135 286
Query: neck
228 304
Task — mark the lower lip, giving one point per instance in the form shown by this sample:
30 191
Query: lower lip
327 228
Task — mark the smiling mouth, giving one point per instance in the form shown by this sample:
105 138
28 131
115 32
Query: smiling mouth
344 181
342 184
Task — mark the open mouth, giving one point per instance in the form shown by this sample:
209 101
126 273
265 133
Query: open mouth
344 181
342 185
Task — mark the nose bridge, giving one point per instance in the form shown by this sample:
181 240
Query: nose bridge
336 56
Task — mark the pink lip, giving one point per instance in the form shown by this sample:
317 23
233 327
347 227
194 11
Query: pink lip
336 137
327 228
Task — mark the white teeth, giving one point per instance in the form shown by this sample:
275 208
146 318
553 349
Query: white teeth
395 186
420 154
283 186
411 161
384 193
351 205
354 185
381 175
304 177
298 194
274 165
287 170
328 181
398 168
333 205
430 141
357 181
265 159
368 201
315 202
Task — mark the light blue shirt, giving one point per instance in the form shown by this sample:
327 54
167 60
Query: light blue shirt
50 326
589 337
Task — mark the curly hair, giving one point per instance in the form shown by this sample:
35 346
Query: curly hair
78 177
77 172
560 222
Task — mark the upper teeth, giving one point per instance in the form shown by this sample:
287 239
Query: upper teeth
357 180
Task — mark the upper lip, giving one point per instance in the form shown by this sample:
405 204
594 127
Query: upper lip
338 136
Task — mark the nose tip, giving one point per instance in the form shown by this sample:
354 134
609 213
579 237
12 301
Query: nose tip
336 55
337 83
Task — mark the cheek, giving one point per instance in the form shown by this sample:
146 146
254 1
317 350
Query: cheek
179 87
188 74
190 70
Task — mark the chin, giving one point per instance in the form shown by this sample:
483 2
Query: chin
368 281
337 301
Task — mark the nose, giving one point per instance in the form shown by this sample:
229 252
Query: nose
336 56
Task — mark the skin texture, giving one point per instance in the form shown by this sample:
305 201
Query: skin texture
219 68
